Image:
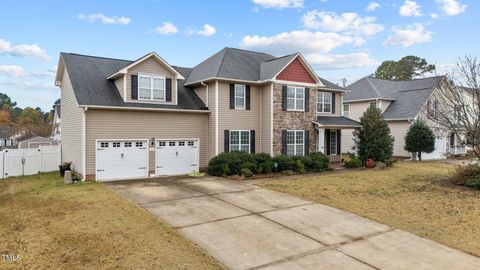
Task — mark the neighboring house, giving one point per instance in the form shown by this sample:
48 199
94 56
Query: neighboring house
401 102
57 118
130 119
36 142
7 141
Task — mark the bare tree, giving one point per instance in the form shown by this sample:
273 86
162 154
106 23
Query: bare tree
458 107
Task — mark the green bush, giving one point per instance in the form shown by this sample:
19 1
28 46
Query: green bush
299 166
353 163
247 173
468 175
249 165
228 163
473 183
285 163
316 162
266 167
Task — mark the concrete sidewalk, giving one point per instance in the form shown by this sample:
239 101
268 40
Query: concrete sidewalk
247 227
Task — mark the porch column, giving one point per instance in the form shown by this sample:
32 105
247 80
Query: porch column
321 140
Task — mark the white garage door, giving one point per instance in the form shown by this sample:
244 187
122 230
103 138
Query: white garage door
121 160
440 150
175 157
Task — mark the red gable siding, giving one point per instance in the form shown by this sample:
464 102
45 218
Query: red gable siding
295 72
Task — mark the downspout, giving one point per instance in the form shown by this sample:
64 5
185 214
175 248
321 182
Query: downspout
206 91
84 143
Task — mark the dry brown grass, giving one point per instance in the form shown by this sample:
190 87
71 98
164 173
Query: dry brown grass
411 196
85 226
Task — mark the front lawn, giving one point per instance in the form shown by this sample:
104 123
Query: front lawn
412 196
85 226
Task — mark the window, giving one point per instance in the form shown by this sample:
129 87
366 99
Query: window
373 104
161 143
128 144
181 143
139 144
104 144
240 140
324 102
190 143
333 142
171 143
116 144
295 142
240 96
295 98
151 87
346 110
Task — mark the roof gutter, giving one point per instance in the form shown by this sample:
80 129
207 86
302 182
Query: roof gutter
86 107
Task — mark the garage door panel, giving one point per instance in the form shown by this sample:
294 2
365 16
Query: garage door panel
126 160
174 157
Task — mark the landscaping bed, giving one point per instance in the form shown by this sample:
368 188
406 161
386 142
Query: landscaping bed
413 196
86 226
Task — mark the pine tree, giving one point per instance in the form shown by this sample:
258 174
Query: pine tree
419 139
374 140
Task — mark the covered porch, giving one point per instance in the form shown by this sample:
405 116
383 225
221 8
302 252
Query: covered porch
328 130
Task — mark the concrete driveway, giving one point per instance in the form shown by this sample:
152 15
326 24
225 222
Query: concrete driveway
247 227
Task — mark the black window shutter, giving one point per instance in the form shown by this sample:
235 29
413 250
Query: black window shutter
133 85
284 97
284 142
327 135
339 142
168 89
307 99
252 141
333 103
226 140
307 142
232 96
247 97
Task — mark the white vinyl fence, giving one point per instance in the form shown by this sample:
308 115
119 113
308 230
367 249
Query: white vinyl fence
18 162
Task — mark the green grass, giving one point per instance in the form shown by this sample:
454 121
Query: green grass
412 196
85 226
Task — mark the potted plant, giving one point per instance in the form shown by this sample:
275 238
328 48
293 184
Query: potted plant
64 167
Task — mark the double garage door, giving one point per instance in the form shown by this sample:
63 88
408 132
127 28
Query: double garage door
129 159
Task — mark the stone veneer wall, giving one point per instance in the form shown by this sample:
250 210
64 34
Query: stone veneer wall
288 120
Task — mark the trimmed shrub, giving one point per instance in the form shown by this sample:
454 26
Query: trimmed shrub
285 163
353 163
299 166
249 165
473 183
316 162
266 167
247 173
468 174
228 163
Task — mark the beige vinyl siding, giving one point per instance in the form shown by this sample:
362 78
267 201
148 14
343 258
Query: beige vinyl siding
201 92
151 66
119 83
211 121
71 126
238 119
399 131
347 141
103 124
357 109
266 119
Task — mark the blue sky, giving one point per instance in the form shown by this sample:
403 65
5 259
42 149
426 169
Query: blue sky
341 39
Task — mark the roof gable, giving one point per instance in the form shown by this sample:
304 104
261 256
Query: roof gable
296 71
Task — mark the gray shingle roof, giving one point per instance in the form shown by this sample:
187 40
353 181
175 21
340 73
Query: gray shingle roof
337 121
230 63
270 68
88 77
408 96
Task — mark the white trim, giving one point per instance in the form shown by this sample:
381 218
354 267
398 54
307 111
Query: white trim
296 88
341 105
216 117
295 141
239 139
244 97
125 87
337 126
306 66
142 109
331 101
271 119
343 110
206 93
178 139
114 140
84 145
152 54
368 99
152 77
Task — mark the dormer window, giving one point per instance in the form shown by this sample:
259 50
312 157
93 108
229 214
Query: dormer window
151 87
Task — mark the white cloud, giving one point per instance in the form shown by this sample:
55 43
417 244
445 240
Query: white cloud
408 36
49 73
304 41
410 8
104 19
350 23
373 6
434 15
23 50
12 70
207 31
451 7
279 4
166 28
340 61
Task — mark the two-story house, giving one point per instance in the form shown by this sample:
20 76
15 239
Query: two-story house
130 119
401 103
